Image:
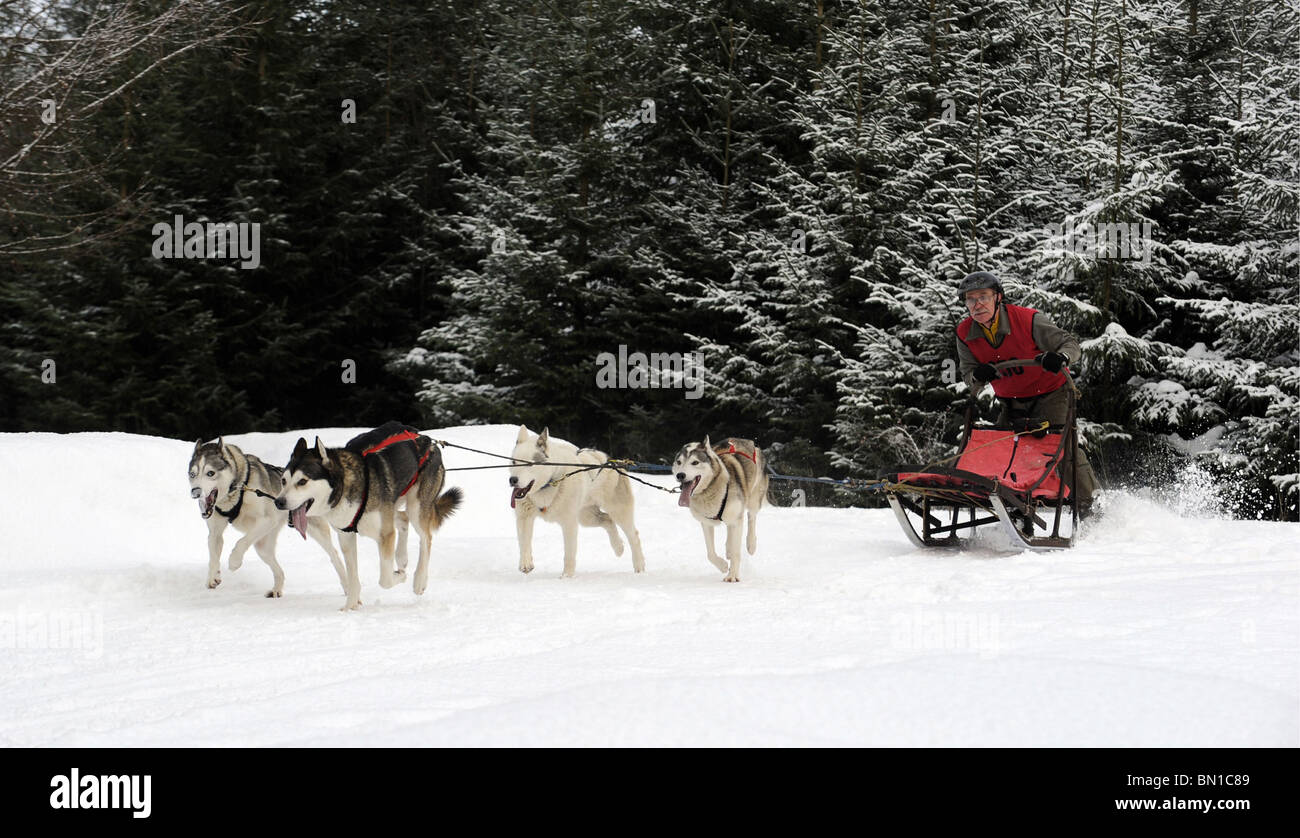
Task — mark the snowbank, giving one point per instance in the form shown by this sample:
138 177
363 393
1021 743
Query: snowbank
1156 630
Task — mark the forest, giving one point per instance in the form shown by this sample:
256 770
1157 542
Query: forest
463 210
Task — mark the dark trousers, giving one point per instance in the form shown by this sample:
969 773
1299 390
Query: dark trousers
1053 407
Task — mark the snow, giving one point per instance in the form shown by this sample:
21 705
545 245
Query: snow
1155 630
1208 441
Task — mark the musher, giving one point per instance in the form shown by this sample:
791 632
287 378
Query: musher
996 331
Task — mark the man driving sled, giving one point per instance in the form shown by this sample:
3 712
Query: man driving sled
996 331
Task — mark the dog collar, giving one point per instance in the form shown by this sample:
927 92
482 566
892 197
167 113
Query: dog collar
726 490
239 504
549 484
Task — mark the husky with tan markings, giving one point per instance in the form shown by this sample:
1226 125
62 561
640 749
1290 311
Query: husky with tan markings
720 484
237 489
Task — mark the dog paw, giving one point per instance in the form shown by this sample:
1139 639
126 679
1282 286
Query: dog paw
568 574
236 562
730 577
272 594
525 568
214 581
618 547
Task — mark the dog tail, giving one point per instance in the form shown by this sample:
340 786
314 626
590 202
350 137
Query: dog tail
447 503
598 456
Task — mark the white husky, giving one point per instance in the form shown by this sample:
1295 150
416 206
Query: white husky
569 495
720 484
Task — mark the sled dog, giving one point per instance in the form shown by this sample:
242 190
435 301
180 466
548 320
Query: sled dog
375 485
720 484
234 488
569 495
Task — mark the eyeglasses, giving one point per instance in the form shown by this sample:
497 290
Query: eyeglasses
979 300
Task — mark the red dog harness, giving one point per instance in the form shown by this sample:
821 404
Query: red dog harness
727 489
732 450
404 436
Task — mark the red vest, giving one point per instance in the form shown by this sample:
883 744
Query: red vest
1012 382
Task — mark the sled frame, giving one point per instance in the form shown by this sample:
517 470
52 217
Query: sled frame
987 501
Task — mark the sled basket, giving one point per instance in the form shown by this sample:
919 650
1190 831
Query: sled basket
992 458
1005 477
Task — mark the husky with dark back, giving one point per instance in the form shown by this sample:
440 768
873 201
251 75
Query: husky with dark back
569 495
720 484
375 485
234 488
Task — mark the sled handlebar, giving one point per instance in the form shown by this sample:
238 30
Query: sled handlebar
1033 362
1023 362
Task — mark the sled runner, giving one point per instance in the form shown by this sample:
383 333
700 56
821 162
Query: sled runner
1005 477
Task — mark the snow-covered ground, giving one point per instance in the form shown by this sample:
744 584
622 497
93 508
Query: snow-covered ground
1155 630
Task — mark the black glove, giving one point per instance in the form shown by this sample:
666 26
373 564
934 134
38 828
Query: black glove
985 373
1052 361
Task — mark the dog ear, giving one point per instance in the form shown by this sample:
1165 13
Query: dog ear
221 445
523 434
299 449
543 438
198 443
320 449
706 444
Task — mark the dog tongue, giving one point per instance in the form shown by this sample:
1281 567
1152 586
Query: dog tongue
298 520
519 493
687 488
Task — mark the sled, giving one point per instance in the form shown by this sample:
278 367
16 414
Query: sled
1004 477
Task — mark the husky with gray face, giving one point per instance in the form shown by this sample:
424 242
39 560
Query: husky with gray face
376 485
237 489
569 495
720 484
